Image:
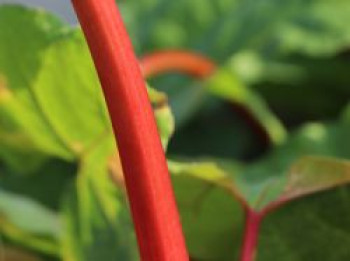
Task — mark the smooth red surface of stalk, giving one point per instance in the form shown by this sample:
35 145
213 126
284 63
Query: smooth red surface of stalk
177 60
151 197
251 233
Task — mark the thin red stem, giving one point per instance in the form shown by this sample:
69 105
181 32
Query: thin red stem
251 233
177 60
151 197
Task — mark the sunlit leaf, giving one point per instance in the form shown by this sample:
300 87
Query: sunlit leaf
51 105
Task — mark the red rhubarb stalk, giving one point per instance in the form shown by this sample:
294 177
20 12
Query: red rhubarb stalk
150 193
177 60
250 239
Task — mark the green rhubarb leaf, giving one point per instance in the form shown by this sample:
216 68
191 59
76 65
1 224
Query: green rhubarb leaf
28 215
46 186
66 94
211 217
165 124
97 221
27 222
313 162
163 114
315 227
24 129
76 106
225 84
270 174
69 94
51 101
29 204
51 105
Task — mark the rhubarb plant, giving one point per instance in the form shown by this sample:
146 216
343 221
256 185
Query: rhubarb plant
64 183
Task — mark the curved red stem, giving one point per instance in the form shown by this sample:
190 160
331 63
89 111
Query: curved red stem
177 60
144 165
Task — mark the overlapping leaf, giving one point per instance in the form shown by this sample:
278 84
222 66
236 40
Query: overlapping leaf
305 165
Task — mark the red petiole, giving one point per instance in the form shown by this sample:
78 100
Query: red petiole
251 233
177 60
144 165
